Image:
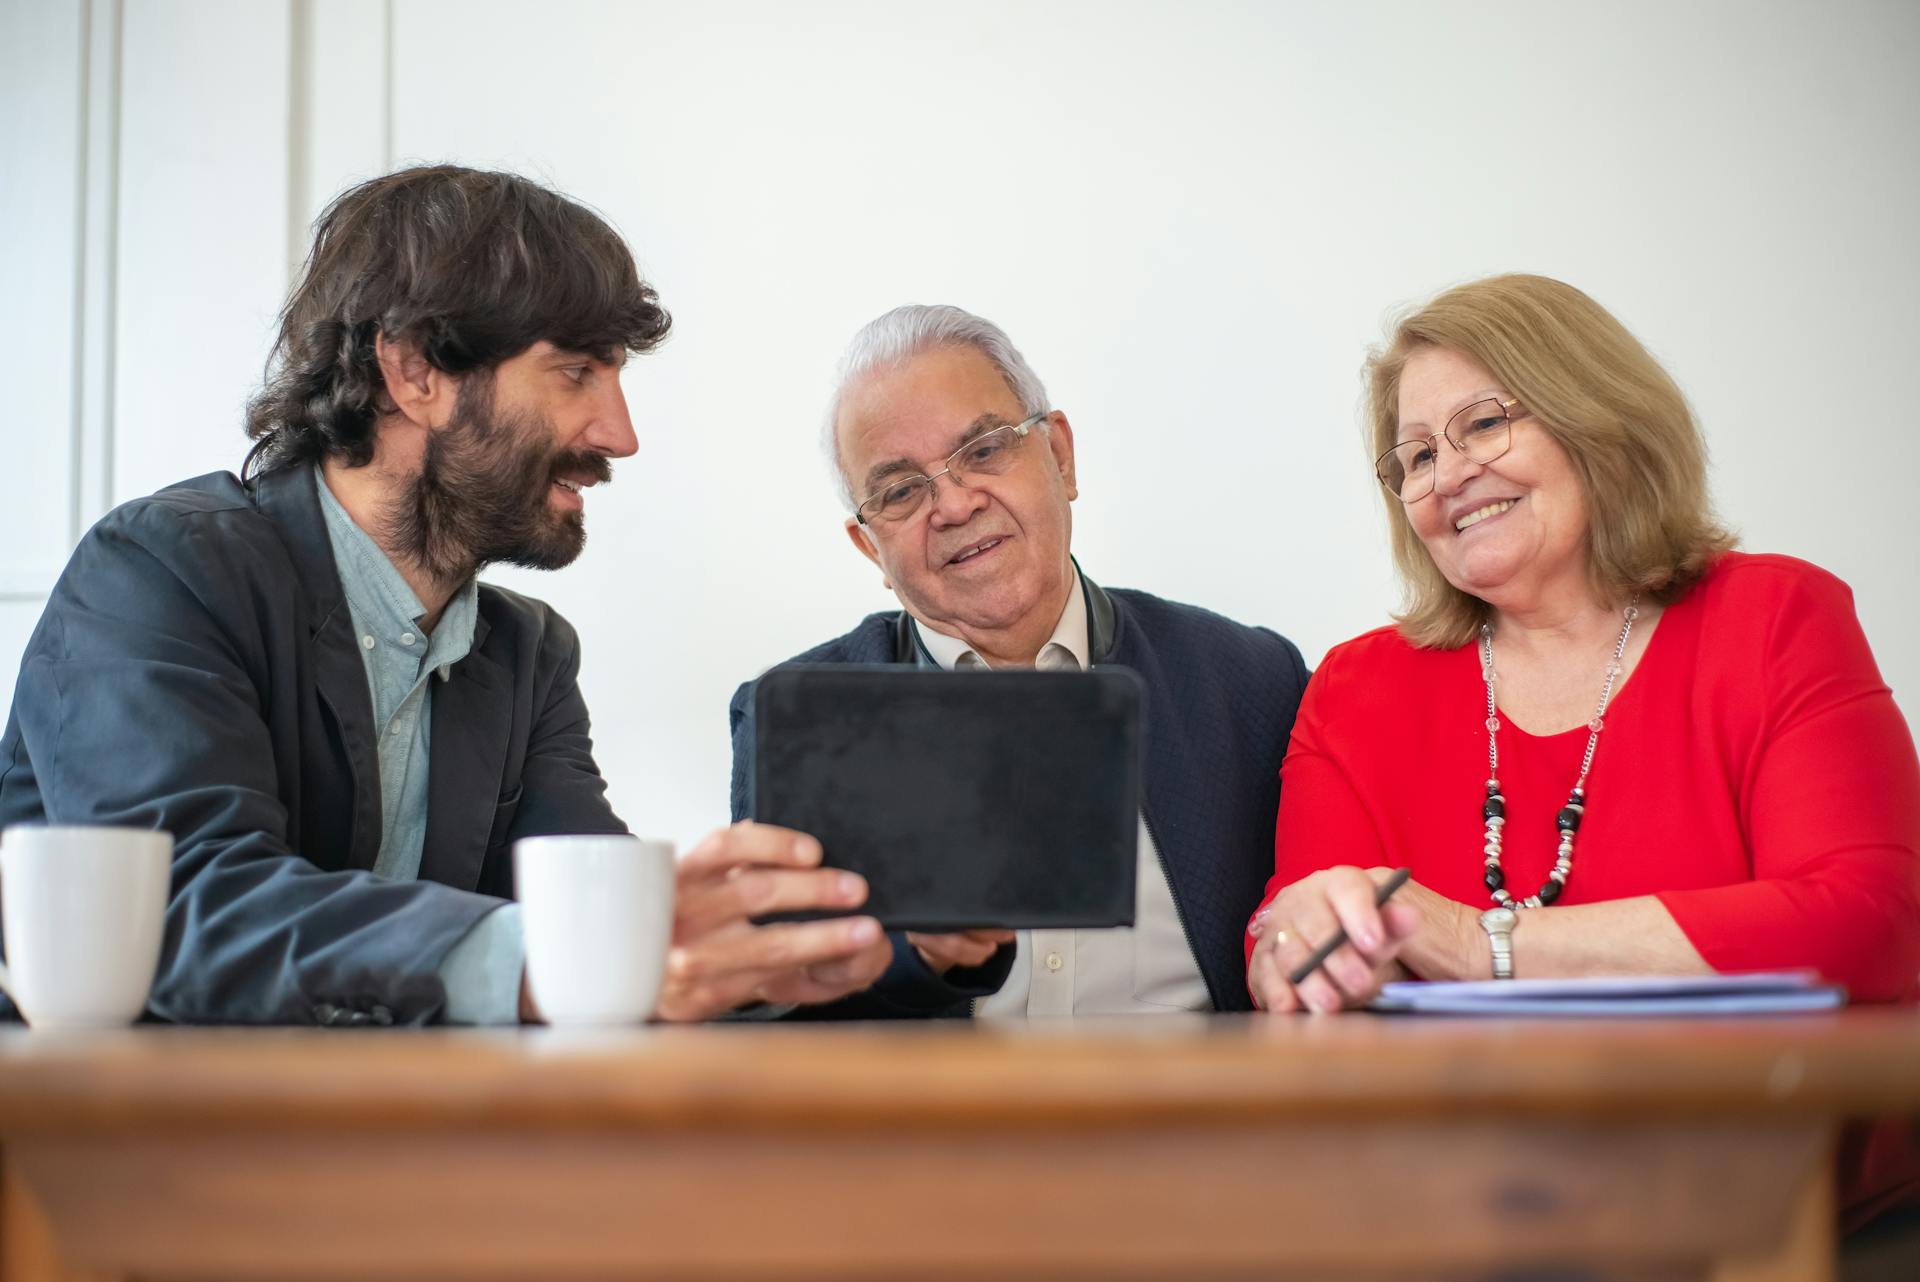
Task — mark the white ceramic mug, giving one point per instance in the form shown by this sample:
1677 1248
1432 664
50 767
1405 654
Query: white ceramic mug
598 918
83 910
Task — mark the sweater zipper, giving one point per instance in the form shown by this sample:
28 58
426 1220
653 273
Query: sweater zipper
1173 893
1179 909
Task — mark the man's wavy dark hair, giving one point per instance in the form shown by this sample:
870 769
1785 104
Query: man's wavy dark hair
475 267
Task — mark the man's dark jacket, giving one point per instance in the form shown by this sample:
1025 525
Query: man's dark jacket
196 671
1221 698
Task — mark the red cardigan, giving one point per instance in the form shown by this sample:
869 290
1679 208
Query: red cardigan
1754 773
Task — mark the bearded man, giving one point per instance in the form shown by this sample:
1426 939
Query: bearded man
299 677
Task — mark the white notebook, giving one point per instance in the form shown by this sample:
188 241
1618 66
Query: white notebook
1771 993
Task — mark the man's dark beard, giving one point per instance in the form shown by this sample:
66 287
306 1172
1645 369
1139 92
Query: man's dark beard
481 496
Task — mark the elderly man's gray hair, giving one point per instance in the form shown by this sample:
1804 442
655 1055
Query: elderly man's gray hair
906 332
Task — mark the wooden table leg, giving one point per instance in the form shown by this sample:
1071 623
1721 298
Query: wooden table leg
27 1249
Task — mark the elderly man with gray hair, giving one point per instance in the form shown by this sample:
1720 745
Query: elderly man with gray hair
958 475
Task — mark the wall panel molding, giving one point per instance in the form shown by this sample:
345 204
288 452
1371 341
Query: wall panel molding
341 117
202 234
25 585
96 270
44 65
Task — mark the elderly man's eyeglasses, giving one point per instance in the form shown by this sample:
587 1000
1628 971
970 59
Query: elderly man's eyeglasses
1481 432
988 454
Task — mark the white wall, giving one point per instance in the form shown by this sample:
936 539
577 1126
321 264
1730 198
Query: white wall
1192 218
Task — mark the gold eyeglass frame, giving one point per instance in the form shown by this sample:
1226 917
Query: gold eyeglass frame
1507 411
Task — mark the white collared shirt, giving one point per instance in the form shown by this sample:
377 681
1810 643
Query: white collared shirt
1143 968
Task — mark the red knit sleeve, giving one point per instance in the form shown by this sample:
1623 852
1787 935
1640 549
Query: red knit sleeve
1831 804
1322 821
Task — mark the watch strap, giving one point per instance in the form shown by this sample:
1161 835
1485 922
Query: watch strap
1502 942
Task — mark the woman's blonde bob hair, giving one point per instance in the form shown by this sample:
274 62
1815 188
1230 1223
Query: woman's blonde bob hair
1586 381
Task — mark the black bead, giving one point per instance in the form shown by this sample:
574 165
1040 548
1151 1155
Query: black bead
1568 820
1550 891
1496 808
1495 879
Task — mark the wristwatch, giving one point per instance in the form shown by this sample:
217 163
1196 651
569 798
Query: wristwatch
1499 924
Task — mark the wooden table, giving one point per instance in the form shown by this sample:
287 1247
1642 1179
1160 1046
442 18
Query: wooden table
1176 1148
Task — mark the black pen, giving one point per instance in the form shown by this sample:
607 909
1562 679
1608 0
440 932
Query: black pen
1325 950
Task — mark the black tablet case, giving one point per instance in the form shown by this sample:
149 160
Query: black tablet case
966 799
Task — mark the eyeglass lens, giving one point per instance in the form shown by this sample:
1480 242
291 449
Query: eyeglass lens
1481 432
988 455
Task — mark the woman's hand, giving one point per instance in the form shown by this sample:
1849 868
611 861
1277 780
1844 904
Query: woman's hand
1306 914
1450 943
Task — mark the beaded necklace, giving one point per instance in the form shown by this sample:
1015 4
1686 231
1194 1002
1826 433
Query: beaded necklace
1494 811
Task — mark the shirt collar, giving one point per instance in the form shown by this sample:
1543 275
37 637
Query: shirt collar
379 594
1069 640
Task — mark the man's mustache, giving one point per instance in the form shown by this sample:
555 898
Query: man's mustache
578 464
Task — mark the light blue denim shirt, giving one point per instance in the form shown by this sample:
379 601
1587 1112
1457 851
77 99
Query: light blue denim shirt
482 971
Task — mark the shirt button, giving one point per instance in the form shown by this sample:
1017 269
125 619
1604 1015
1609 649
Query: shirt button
397 727
1055 961
367 642
406 638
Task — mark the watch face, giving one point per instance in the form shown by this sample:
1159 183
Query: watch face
1499 918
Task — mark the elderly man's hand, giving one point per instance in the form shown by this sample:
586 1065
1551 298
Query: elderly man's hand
942 953
1308 913
721 959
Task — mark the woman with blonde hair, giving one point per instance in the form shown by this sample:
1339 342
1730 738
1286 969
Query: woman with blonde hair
1603 741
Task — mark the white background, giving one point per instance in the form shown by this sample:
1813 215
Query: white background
1193 219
